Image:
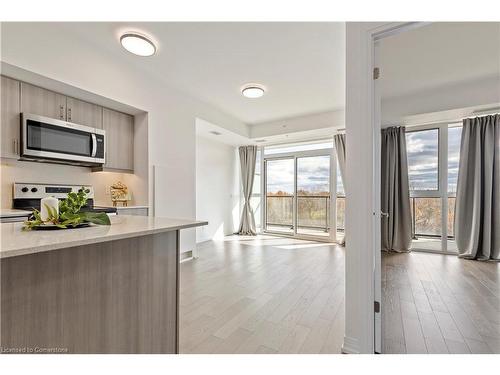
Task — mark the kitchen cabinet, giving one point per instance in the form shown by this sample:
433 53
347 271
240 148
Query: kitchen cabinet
20 97
42 102
83 113
119 129
10 118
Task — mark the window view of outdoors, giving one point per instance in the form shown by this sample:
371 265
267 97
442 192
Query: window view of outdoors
427 199
280 181
313 194
427 216
454 139
256 193
422 148
340 202
305 175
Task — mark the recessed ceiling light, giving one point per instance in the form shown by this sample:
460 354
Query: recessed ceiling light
252 91
137 44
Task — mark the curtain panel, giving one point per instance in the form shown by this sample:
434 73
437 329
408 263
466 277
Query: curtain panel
248 156
477 210
395 194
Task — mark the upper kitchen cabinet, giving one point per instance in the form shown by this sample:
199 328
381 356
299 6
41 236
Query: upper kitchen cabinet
119 129
42 102
83 113
10 119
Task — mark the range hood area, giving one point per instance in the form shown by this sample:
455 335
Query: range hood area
48 139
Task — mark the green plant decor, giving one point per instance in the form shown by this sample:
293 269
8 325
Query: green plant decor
69 213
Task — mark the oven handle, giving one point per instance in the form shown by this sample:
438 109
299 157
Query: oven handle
94 145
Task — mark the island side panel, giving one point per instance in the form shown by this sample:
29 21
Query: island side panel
111 297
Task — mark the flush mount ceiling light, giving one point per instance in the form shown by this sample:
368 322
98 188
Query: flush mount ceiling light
253 91
137 44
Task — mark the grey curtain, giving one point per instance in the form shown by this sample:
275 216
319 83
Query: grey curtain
248 156
395 194
477 209
339 140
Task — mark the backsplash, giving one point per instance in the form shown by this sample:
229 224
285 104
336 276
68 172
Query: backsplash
21 171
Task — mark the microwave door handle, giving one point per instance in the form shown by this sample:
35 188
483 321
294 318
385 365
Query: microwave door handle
94 145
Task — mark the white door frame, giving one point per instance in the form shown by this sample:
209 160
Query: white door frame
363 281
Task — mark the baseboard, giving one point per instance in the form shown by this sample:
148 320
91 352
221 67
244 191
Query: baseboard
350 346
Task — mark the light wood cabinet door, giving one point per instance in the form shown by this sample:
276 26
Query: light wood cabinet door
10 117
119 129
42 102
83 113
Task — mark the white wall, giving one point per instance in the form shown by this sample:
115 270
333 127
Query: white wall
171 113
396 110
299 124
215 198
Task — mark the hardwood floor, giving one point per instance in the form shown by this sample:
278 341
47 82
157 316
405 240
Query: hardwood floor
277 295
440 304
264 295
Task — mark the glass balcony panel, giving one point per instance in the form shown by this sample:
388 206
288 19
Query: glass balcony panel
313 215
426 213
340 213
279 212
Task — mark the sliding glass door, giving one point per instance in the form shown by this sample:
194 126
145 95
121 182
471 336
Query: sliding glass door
313 195
433 154
297 185
280 194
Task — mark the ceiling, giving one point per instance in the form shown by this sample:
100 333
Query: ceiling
300 64
437 55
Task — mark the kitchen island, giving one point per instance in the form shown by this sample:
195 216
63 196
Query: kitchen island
101 289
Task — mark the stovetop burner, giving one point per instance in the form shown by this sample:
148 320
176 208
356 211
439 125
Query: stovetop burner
27 196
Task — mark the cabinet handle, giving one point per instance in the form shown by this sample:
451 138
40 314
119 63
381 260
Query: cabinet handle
61 115
14 143
69 114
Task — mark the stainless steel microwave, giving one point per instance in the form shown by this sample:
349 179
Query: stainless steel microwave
44 138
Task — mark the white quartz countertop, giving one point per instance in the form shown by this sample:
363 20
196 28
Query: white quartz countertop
16 242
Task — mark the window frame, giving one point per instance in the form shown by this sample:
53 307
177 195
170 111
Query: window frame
428 193
442 191
296 155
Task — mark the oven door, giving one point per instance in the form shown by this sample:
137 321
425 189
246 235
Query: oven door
47 138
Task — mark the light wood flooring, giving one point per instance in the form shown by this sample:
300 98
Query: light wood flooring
264 295
278 295
440 304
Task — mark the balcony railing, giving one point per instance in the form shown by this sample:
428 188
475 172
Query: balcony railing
313 212
426 216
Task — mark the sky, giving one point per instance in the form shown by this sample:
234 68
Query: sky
313 174
422 150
